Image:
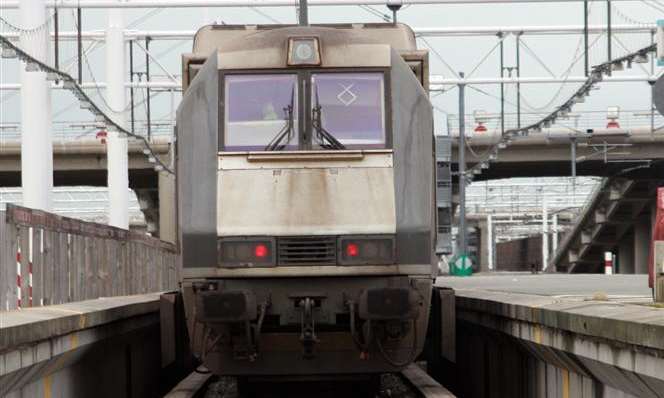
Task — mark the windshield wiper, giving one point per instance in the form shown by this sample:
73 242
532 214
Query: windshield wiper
286 132
322 134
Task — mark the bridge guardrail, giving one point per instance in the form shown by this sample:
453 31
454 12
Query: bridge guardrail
49 259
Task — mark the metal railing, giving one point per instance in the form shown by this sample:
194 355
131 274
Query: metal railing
74 130
574 122
48 259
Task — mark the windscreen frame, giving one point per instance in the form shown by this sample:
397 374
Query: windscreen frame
304 100
387 103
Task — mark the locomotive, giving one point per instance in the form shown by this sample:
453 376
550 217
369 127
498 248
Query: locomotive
306 199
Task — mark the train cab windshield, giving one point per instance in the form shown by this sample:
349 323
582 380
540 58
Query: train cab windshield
346 111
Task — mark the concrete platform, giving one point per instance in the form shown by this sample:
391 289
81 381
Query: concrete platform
561 285
105 348
561 341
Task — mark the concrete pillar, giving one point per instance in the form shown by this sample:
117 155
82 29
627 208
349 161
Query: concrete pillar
642 233
491 244
36 126
483 249
118 172
545 237
554 231
626 254
167 211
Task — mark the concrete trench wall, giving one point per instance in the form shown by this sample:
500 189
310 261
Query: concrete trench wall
493 364
123 366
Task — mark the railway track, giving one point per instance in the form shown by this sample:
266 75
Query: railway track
412 382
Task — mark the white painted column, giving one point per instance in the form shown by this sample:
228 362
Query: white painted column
545 237
36 124
554 227
118 171
490 238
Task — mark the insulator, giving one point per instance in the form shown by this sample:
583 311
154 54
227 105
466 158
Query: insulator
31 67
8 52
641 58
152 159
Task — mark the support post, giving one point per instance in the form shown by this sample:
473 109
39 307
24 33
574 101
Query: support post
608 32
147 88
118 173
36 126
518 85
572 146
131 89
586 55
652 87
461 238
304 13
554 231
79 43
56 28
491 243
502 85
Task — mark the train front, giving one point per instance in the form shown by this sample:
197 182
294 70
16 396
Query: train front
305 200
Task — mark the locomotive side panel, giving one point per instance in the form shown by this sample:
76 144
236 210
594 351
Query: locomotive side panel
412 119
197 132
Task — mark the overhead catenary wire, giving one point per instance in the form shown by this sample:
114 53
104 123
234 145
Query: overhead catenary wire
595 77
439 56
86 102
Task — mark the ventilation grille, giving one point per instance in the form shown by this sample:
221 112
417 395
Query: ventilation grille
318 250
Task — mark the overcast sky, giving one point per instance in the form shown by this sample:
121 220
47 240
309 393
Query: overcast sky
460 53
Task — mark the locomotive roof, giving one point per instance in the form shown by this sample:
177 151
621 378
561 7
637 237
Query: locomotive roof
233 38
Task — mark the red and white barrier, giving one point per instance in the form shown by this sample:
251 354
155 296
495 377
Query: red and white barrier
608 263
18 276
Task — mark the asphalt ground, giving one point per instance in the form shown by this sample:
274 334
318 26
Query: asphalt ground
561 285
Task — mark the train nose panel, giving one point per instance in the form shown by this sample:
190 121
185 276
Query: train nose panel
389 303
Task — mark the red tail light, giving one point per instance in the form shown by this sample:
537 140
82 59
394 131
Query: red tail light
366 249
261 251
352 250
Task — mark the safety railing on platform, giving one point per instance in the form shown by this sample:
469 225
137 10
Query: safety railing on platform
49 259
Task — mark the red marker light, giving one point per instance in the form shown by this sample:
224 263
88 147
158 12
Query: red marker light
352 250
260 251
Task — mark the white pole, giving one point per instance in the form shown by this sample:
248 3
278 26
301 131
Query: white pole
36 126
545 237
118 171
554 249
490 238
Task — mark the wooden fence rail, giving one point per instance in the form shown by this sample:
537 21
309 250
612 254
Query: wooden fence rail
48 259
